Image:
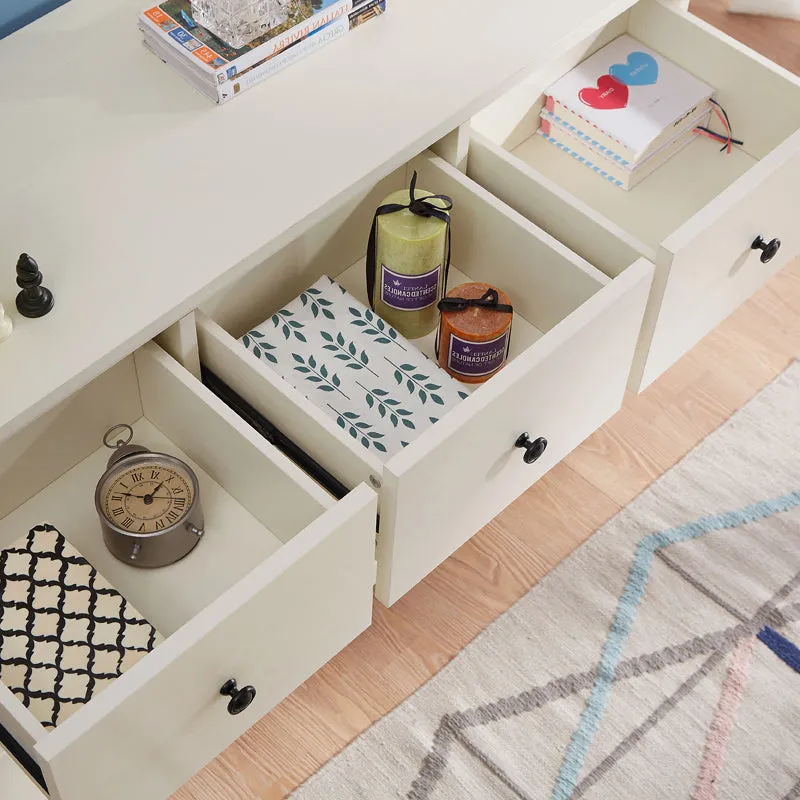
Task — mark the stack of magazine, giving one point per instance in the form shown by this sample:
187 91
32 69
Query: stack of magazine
625 111
220 71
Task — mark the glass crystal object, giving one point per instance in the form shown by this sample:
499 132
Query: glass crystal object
238 22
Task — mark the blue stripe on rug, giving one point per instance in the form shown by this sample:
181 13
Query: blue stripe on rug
786 651
627 607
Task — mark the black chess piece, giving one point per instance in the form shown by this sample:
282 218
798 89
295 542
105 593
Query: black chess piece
34 300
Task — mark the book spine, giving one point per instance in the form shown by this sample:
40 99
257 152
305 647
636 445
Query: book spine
298 33
567 117
181 69
365 11
568 129
284 58
604 170
178 39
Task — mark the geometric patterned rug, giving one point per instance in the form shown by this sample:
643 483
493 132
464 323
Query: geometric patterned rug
660 660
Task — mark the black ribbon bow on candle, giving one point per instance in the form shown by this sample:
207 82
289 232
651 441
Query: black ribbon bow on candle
490 300
422 207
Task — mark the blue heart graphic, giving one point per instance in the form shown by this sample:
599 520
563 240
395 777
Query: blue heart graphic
641 70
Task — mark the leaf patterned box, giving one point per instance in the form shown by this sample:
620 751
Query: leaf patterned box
343 357
65 632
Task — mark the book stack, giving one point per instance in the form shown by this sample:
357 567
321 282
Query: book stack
624 111
221 71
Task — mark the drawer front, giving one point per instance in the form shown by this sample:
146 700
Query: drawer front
562 388
15 783
708 268
146 736
19 733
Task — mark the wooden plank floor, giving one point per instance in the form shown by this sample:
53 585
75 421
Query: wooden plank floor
410 642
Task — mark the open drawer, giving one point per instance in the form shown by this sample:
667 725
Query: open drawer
281 581
574 334
697 216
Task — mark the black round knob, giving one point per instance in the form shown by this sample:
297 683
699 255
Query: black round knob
533 449
768 249
240 698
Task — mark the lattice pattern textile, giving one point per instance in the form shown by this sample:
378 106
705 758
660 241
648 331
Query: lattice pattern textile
65 632
377 385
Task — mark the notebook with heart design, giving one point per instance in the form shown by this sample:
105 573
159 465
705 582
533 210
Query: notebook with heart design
634 96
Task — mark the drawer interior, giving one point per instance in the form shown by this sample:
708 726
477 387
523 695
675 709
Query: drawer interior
545 281
254 499
746 85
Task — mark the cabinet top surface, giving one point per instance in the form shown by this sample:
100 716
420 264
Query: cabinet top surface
136 194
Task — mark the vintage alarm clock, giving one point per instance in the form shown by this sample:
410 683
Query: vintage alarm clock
148 503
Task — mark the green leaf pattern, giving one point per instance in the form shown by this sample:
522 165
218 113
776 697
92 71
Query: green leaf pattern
387 407
357 428
372 325
288 327
260 348
319 305
319 374
381 391
346 351
418 383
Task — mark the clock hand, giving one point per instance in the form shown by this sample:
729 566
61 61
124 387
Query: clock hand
156 489
142 496
148 498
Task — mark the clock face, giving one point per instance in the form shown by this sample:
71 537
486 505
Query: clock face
148 496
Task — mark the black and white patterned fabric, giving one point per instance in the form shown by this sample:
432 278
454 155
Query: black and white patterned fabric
65 632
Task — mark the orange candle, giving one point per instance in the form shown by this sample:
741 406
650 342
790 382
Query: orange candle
474 331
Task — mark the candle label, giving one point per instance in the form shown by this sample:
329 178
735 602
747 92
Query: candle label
409 292
477 358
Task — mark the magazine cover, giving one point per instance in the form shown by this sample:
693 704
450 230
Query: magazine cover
173 19
226 79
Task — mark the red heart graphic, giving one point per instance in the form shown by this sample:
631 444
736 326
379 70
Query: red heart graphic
609 94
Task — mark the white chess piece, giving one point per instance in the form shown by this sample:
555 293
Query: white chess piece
6 326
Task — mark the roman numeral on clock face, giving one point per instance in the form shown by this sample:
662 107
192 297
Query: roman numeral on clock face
172 515
159 525
179 503
137 476
154 474
127 522
118 511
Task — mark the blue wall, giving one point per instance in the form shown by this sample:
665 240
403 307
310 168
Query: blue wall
16 13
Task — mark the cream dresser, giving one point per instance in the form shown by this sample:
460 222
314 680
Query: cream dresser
157 216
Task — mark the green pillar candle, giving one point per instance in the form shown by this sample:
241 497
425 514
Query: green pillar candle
410 266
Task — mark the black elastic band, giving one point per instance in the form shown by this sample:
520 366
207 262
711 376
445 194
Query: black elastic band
422 207
490 299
